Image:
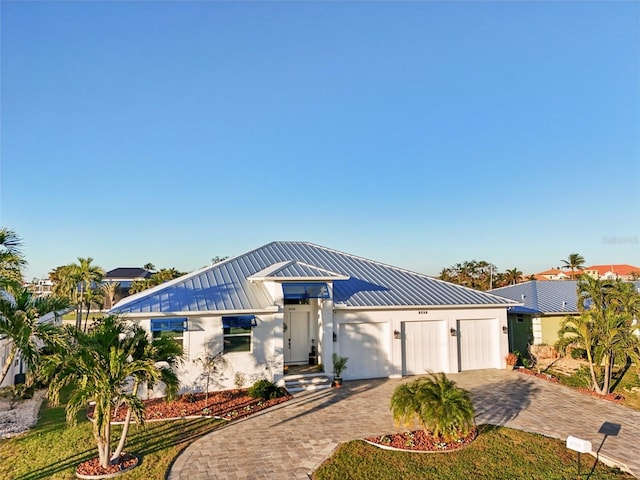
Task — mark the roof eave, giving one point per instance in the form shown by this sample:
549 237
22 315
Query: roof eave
266 310
339 306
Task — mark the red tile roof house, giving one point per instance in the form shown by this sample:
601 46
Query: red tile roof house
611 272
290 304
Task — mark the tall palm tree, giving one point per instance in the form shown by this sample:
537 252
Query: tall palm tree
87 276
513 276
19 321
97 366
110 289
11 259
574 262
437 403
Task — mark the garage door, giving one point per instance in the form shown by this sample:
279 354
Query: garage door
363 344
424 347
478 344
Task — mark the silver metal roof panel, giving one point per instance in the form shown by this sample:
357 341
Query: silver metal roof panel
227 286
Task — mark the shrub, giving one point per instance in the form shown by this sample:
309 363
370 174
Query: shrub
578 353
266 390
437 403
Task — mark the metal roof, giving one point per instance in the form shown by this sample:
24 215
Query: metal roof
549 296
228 285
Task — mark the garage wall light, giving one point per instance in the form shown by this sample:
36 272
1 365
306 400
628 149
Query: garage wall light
453 332
505 329
397 335
335 337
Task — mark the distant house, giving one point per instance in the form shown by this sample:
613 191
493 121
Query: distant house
611 272
294 303
554 274
545 305
124 277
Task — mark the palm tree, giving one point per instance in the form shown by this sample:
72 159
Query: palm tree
11 259
97 366
513 276
437 403
110 289
19 321
604 328
168 354
150 267
139 285
574 262
86 276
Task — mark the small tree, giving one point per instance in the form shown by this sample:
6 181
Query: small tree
211 364
437 404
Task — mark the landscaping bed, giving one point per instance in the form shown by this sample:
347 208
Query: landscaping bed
421 441
611 397
228 405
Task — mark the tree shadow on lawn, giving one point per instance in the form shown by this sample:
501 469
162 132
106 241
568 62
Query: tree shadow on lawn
152 438
498 403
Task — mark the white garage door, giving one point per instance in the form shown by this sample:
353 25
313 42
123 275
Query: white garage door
424 347
364 345
478 345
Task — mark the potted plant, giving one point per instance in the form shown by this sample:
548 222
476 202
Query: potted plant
511 360
339 365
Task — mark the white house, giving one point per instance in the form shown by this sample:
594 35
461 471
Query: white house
288 303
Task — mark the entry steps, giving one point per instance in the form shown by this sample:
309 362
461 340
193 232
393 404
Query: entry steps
306 382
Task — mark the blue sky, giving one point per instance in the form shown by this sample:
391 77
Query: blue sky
420 134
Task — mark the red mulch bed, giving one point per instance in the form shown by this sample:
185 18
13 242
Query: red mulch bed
612 397
228 404
92 467
544 376
419 440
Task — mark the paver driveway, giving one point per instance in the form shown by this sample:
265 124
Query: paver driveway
290 441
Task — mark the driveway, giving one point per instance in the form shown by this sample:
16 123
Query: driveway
290 441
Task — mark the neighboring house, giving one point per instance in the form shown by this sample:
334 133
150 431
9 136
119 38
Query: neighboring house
546 305
40 287
124 277
290 303
555 274
17 371
611 272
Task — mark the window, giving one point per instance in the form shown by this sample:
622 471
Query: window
169 328
237 333
293 291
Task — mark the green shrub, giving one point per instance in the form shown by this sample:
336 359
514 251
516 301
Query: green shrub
266 390
581 378
578 353
437 403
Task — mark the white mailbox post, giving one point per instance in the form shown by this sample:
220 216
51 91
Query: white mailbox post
578 445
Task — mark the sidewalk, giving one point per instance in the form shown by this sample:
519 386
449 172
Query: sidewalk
292 440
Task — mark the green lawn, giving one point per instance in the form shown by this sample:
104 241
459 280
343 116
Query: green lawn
52 450
498 453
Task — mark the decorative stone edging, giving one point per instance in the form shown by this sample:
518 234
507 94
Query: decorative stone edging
407 450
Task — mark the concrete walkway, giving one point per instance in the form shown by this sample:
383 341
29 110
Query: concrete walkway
289 442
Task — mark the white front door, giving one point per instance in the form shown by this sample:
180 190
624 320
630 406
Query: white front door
297 343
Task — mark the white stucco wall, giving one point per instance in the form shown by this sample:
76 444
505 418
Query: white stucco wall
205 336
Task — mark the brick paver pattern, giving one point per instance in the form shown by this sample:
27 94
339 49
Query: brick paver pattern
290 441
